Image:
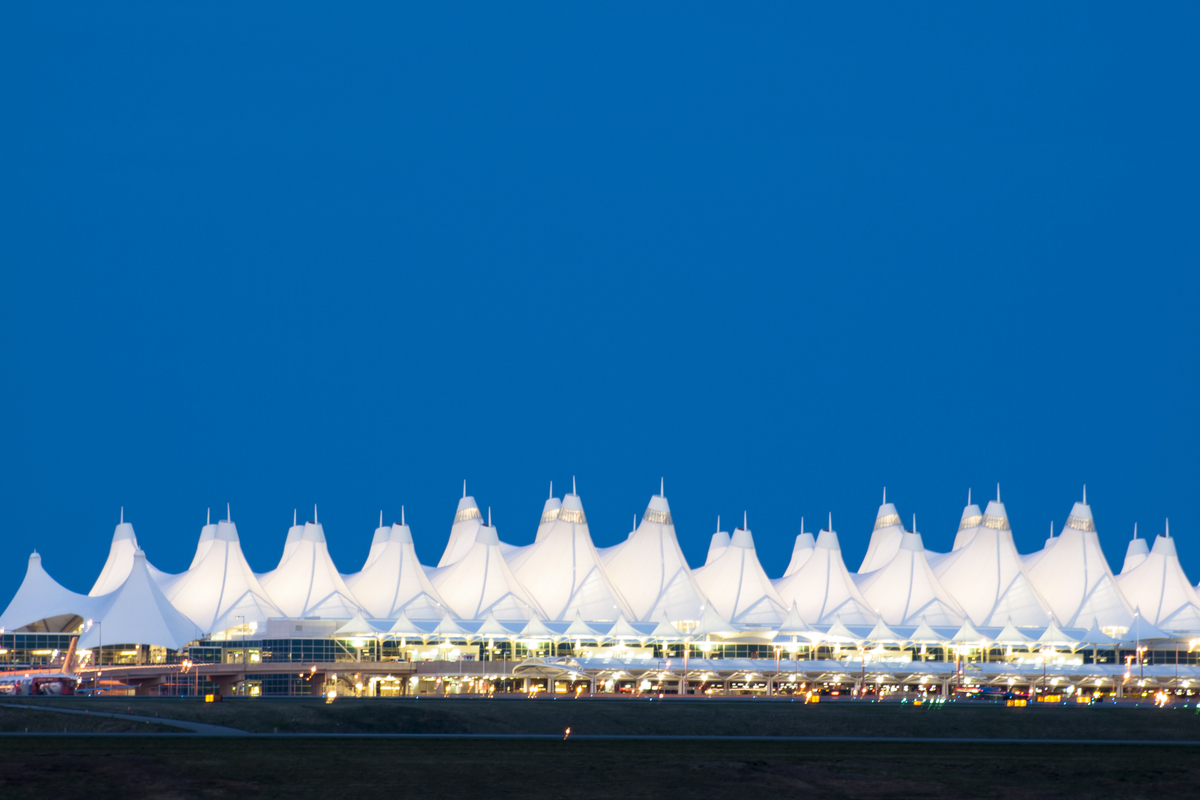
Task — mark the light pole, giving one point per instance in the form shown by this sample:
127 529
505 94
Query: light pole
242 639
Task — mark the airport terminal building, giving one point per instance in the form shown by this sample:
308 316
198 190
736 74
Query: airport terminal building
561 615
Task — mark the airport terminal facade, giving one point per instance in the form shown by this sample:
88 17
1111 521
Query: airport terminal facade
561 615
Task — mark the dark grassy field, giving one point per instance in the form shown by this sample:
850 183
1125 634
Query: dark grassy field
703 717
182 765
176 767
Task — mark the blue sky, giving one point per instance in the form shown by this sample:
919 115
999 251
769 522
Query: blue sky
783 255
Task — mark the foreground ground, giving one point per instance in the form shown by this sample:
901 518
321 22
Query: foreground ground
184 765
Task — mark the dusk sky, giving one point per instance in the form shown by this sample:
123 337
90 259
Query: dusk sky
274 256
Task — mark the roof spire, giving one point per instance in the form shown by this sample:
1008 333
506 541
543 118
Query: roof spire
968 496
635 522
381 517
997 493
718 523
1135 530
1168 527
1051 529
551 490
401 515
885 495
802 524
314 513
293 517
662 483
573 485
745 525
830 520
228 516
464 487
122 515
1085 494
208 517
914 522
489 516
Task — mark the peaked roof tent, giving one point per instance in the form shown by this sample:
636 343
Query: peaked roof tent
822 589
1135 554
738 587
802 550
882 633
1159 587
358 625
42 604
207 534
549 514
394 580
972 519
1141 630
926 635
650 572
905 590
968 635
717 545
712 624
793 623
563 572
406 627
308 584
294 534
467 522
380 538
578 629
481 581
885 538
220 590
987 578
1074 579
1010 635
139 613
1095 636
120 560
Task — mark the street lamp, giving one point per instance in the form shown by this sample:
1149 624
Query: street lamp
242 639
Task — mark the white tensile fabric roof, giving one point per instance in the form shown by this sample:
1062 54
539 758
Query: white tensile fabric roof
987 578
885 538
801 551
905 590
1074 579
207 534
823 590
40 597
467 522
650 572
1160 589
717 545
120 561
139 613
738 588
481 581
393 581
968 524
564 573
379 539
1135 553
549 514
220 590
308 584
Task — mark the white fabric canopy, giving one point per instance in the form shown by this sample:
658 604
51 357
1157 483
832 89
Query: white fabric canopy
394 580
1161 590
885 538
139 613
120 561
1135 553
481 581
220 590
802 550
968 525
650 572
1074 578
905 590
40 597
738 588
985 575
308 584
822 588
564 573
716 546
467 522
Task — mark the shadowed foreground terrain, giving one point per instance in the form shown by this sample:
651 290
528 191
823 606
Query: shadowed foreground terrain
184 765
651 717
168 767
